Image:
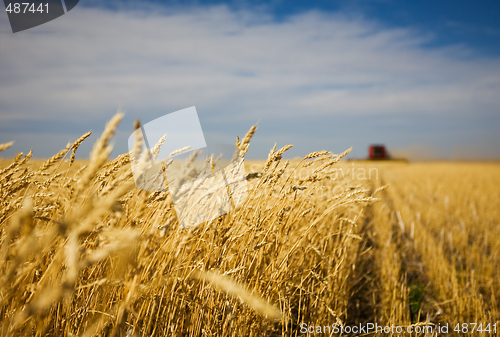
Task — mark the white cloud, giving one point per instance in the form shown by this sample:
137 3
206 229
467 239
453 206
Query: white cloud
241 66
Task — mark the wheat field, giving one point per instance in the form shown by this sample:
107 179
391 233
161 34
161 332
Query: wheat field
319 240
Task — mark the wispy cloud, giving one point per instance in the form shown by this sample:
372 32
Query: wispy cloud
237 68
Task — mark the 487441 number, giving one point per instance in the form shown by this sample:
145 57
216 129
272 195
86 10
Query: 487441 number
23 7
474 327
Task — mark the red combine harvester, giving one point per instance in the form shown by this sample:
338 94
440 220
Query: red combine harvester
377 152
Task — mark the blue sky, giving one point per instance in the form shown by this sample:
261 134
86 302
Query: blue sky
472 23
422 77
